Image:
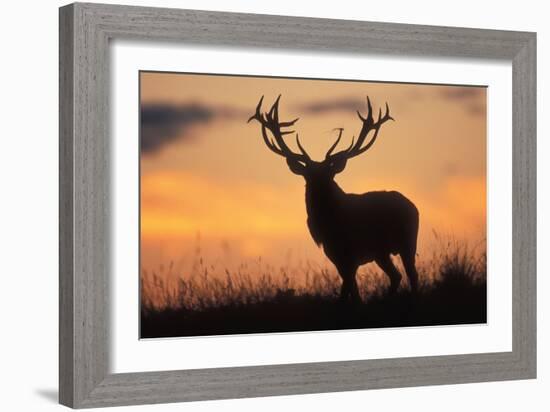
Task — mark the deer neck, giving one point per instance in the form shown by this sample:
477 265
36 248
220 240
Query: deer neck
323 204
323 199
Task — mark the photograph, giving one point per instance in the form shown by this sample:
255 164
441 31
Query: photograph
273 204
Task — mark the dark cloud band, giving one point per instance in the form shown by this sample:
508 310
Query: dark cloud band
162 123
337 105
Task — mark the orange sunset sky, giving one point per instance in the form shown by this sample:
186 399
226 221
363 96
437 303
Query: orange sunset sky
209 184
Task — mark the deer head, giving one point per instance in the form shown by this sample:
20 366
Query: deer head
301 163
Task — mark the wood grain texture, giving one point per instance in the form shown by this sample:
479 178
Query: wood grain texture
524 124
85 31
66 109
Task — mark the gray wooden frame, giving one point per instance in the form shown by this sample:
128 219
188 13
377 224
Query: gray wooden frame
85 31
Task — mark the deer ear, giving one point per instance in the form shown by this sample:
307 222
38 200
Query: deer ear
296 167
338 165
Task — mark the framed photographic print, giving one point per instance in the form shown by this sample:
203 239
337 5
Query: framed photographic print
230 239
244 196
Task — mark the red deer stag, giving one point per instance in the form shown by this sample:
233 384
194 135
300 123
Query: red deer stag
353 229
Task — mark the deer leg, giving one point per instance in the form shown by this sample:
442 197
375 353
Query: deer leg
410 267
354 291
385 263
344 290
349 284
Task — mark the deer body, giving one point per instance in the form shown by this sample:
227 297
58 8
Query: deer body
353 229
360 228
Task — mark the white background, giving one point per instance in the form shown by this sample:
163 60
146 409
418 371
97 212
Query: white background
132 355
28 173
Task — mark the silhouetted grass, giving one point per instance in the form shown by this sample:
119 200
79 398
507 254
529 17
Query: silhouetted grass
452 291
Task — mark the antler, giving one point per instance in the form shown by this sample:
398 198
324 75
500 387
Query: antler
369 124
270 121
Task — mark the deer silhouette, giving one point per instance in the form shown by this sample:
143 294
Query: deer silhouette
353 229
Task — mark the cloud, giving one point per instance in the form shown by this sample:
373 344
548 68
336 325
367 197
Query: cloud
345 104
162 123
477 109
463 93
472 98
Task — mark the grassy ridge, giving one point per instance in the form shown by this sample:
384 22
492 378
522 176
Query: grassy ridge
452 291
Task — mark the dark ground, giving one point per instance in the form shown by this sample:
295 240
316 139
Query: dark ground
456 300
